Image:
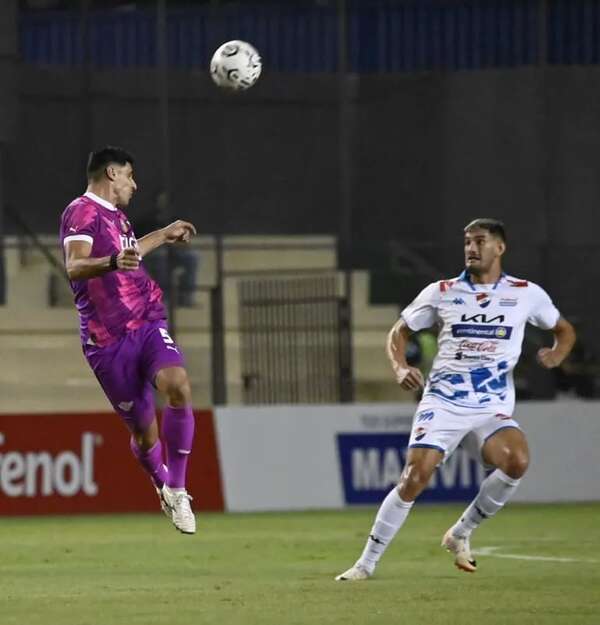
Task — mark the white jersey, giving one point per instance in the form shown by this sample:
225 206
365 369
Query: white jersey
481 328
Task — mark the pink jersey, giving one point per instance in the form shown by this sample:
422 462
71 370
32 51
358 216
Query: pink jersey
119 301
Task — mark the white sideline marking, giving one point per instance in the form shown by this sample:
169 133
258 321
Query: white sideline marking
491 551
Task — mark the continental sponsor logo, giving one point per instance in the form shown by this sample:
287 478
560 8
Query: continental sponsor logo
467 330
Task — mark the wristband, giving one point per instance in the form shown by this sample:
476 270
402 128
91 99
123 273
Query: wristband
113 262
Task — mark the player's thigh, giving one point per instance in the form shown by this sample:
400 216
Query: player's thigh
436 431
159 351
438 428
507 449
486 426
422 462
173 382
117 370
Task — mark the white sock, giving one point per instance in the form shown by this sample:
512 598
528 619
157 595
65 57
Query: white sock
390 517
495 491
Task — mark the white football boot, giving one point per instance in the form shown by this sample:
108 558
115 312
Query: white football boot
461 549
164 506
176 505
355 573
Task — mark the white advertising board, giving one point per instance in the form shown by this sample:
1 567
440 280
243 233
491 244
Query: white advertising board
302 457
564 444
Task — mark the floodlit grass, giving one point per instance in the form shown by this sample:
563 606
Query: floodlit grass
279 568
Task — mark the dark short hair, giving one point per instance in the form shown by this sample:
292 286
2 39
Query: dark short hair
494 226
99 159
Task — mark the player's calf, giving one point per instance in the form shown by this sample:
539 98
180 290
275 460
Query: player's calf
151 460
394 510
495 491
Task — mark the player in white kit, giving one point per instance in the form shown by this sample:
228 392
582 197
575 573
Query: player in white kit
469 396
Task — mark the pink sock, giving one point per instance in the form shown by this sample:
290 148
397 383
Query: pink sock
177 434
151 460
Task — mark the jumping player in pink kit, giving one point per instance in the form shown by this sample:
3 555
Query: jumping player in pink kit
123 325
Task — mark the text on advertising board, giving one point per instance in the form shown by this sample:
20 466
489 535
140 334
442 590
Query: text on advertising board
371 465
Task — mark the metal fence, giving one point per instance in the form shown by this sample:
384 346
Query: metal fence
382 35
295 340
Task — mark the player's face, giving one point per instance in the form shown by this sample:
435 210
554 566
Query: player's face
122 182
482 250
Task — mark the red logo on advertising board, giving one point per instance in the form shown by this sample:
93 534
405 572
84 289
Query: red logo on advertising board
71 463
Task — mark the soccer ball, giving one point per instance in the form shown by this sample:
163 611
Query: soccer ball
235 65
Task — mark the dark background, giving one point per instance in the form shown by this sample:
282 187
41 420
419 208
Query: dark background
431 114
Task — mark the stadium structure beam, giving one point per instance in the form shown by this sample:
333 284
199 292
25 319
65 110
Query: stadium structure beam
162 83
347 132
8 109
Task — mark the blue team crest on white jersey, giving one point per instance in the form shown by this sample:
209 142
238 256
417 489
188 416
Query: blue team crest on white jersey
483 299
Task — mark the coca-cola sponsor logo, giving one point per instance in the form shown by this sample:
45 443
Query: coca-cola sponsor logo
39 473
488 347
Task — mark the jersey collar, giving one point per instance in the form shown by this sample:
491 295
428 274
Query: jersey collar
465 276
99 200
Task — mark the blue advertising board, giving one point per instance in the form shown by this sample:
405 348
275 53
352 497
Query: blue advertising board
371 464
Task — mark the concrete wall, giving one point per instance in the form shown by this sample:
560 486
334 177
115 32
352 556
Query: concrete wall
518 144
43 369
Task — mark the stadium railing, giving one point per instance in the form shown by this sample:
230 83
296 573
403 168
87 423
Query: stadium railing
383 36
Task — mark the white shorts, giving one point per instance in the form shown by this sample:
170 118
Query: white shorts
443 427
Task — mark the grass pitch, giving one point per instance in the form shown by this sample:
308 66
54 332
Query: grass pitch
278 569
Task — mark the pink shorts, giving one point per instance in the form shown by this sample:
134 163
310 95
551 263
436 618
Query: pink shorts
127 368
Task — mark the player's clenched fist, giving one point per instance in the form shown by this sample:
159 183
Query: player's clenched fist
548 358
179 231
128 259
409 378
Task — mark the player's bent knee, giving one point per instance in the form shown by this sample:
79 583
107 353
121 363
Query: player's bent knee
413 481
517 464
175 384
179 394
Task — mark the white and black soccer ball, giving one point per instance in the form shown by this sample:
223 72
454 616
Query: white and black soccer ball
235 65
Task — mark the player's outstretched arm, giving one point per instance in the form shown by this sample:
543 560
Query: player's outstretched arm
409 378
178 231
81 266
564 339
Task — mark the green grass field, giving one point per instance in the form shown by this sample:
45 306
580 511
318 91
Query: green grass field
279 568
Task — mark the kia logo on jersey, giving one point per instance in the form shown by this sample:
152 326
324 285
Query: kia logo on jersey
482 318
